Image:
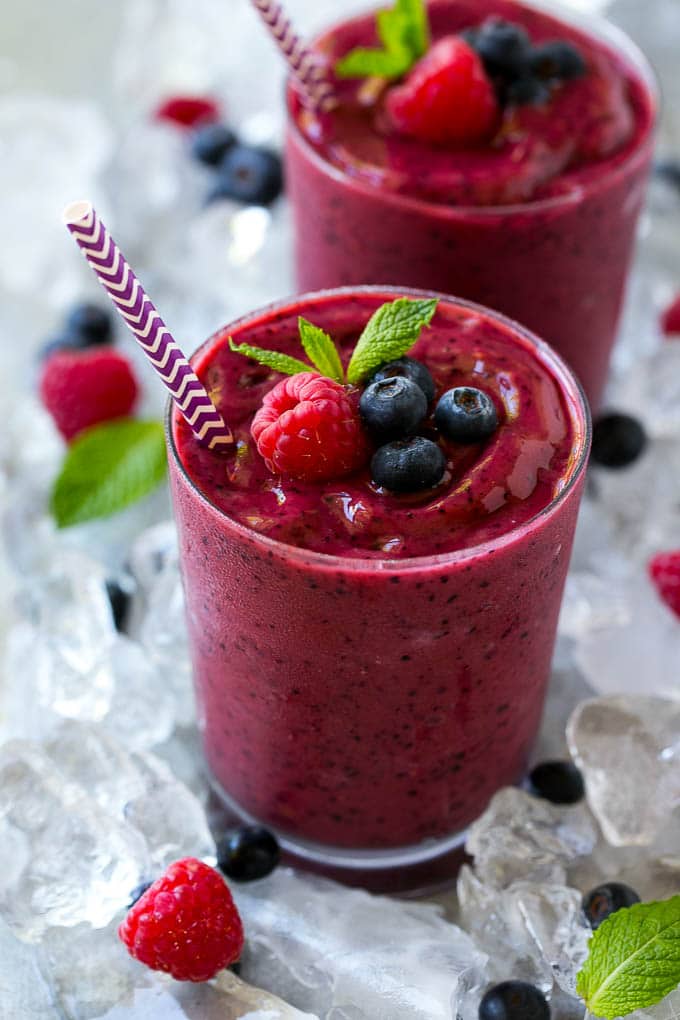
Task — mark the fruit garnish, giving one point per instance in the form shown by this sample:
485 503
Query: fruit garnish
248 853
466 415
447 98
186 923
408 465
391 331
618 440
84 388
605 900
188 111
404 33
560 782
633 959
664 571
514 1000
308 428
392 408
411 369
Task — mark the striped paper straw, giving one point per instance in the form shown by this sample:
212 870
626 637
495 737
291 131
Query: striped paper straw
304 64
139 314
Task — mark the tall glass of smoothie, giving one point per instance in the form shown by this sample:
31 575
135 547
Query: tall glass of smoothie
370 666
536 219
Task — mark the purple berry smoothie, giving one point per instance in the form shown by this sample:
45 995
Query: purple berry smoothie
538 223
369 668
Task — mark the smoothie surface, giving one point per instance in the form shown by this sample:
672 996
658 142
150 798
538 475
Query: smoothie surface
538 151
488 489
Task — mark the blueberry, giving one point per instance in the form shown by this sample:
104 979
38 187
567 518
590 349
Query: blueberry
248 853
514 1000
606 899
503 46
408 465
559 61
249 175
137 893
618 440
668 170
119 597
392 408
89 325
466 415
527 90
560 782
411 369
211 143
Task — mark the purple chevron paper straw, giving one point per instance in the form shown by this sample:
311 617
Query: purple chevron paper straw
304 64
140 316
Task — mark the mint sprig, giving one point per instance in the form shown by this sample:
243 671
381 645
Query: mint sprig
321 350
634 959
107 468
404 33
390 332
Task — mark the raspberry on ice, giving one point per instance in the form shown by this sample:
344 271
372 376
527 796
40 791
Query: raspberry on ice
84 388
185 924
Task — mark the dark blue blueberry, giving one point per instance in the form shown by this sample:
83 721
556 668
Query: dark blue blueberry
89 325
250 175
137 893
211 143
248 853
527 90
605 900
669 171
119 597
556 61
503 46
618 440
408 465
411 369
392 408
466 415
514 1000
560 782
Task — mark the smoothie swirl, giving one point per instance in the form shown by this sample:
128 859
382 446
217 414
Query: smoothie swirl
489 487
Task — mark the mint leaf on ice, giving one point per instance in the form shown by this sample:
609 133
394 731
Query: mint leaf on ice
107 468
634 959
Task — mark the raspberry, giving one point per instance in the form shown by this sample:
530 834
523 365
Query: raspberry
188 111
307 427
670 320
447 97
664 570
186 923
83 388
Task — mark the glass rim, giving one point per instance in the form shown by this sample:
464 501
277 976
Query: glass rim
570 387
600 27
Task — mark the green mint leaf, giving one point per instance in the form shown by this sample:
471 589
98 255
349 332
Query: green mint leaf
404 32
321 350
634 959
271 359
390 332
108 467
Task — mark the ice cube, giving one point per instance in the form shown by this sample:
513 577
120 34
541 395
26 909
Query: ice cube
524 837
141 712
83 863
629 751
340 952
627 640
152 551
164 638
24 991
